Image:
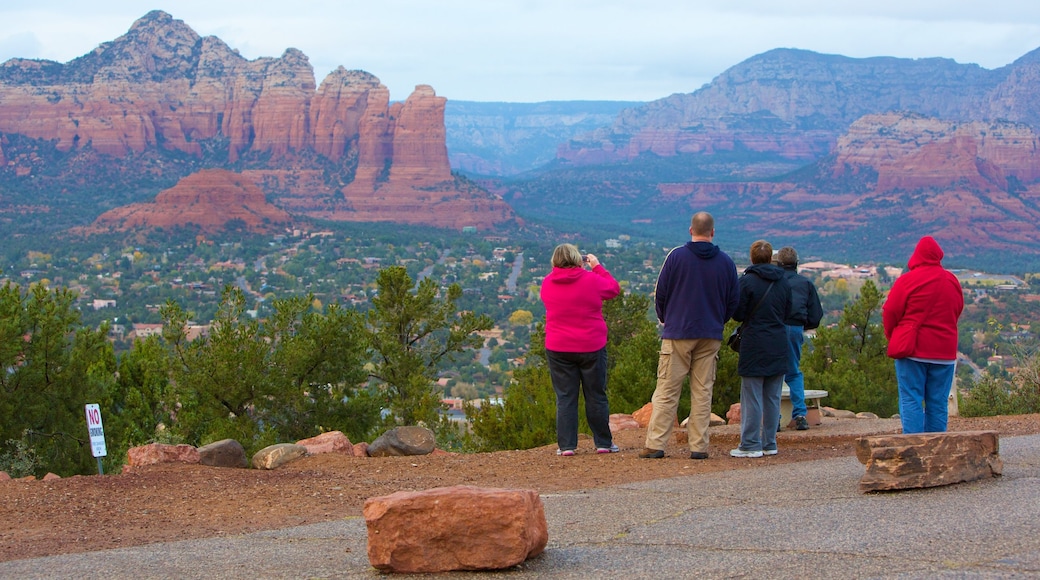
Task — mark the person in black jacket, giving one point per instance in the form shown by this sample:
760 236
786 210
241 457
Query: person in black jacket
806 313
764 305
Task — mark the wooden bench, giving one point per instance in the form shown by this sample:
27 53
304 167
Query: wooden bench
812 402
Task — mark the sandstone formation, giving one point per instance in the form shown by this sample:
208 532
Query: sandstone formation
336 151
328 442
208 199
454 528
927 459
408 440
161 453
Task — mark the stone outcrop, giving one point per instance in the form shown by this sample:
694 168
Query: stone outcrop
161 89
400 441
927 459
328 442
454 528
161 453
277 455
361 449
209 199
223 453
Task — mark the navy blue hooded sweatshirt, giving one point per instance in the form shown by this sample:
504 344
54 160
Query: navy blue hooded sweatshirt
696 291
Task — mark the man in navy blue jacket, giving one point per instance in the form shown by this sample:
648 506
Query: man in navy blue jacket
696 294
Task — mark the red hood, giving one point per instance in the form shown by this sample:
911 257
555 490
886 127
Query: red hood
927 253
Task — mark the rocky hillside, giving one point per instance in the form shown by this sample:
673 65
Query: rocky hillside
162 102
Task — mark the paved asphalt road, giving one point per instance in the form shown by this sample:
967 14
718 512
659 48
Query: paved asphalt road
789 521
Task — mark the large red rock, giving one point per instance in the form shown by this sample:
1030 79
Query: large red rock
209 199
642 415
927 459
161 453
454 528
328 442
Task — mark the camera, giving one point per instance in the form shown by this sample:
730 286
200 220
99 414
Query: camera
584 258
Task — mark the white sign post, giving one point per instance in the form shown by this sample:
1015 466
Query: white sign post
97 434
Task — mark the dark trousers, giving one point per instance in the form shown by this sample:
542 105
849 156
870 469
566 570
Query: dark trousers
586 372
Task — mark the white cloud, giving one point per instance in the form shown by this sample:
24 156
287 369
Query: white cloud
534 50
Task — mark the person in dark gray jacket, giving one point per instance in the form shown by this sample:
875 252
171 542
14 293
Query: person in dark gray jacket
763 306
806 313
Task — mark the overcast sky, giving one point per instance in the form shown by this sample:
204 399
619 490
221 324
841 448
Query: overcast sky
541 50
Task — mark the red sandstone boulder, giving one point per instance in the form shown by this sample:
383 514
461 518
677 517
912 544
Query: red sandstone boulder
642 416
361 449
454 528
927 459
330 442
161 453
51 477
4 476
733 415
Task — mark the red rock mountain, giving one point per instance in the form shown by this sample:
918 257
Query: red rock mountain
975 186
338 151
208 199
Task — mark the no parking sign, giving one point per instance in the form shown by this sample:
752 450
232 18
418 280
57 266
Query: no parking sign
97 432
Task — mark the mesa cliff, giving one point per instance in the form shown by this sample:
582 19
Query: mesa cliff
163 100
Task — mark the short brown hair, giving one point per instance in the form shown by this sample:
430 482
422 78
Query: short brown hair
786 256
761 252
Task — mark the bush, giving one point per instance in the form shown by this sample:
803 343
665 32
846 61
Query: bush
996 395
19 459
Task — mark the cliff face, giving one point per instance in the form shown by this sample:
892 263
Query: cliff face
161 87
796 103
208 199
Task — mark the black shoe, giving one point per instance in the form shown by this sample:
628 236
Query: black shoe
698 455
801 424
648 453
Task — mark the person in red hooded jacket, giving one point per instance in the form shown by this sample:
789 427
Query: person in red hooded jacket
920 317
576 344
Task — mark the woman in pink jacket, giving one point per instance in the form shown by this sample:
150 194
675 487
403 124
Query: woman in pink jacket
576 345
920 317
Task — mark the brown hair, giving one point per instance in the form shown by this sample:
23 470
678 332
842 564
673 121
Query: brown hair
761 252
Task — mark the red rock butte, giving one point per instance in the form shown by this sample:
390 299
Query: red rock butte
208 199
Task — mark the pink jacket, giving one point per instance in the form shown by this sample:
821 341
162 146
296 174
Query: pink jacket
573 299
921 312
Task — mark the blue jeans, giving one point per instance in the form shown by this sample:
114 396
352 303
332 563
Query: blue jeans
586 372
926 385
793 378
759 398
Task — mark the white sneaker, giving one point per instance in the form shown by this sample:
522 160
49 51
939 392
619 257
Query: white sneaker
769 452
738 452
